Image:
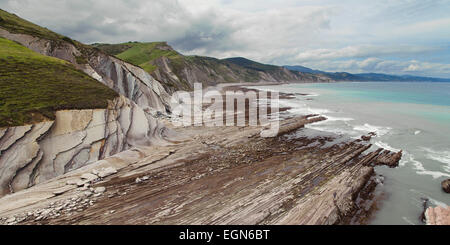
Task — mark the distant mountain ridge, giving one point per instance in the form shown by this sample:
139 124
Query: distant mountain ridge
365 77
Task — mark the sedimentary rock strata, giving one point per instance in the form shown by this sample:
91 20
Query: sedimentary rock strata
35 153
231 176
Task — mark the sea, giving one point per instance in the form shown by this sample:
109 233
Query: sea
409 116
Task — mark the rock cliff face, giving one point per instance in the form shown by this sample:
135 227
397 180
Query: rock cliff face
35 153
126 79
179 72
211 71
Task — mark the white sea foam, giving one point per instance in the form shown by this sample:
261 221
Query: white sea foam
307 110
440 156
408 221
386 146
367 128
345 119
409 158
330 129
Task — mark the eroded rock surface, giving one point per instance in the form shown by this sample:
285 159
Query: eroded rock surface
33 154
226 175
446 185
438 215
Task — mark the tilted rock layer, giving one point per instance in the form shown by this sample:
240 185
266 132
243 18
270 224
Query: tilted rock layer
35 153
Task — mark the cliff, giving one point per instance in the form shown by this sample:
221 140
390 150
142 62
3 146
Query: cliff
66 105
178 72
126 79
34 153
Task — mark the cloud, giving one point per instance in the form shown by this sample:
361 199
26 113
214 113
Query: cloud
378 36
363 51
376 65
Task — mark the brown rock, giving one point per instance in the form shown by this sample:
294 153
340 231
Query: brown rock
446 185
366 137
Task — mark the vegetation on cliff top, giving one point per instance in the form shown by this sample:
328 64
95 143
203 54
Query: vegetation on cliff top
34 86
14 24
141 54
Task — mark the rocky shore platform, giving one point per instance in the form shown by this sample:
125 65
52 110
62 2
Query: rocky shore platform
216 175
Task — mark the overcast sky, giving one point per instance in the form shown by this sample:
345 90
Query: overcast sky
397 37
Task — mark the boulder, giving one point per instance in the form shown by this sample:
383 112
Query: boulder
89 177
446 185
105 172
99 190
366 137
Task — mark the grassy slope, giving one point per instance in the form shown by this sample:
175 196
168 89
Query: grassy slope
33 86
15 24
140 54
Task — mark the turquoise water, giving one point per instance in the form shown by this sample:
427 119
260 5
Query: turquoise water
413 117
425 93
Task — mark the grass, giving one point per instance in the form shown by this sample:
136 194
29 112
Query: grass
141 54
34 86
15 24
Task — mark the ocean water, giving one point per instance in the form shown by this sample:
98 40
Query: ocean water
412 116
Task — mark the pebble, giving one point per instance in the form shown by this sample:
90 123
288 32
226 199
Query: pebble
100 190
10 220
106 172
89 177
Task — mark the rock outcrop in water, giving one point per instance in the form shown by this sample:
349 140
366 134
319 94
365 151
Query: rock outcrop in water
438 215
32 154
446 185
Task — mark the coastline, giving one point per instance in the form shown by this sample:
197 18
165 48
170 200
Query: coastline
226 175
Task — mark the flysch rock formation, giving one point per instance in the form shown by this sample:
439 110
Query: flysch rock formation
32 154
225 175
126 79
438 215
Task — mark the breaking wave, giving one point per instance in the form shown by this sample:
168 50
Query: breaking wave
367 128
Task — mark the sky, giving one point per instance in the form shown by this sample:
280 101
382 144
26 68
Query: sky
410 37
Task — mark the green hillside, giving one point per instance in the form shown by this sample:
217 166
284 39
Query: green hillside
34 86
15 24
140 54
